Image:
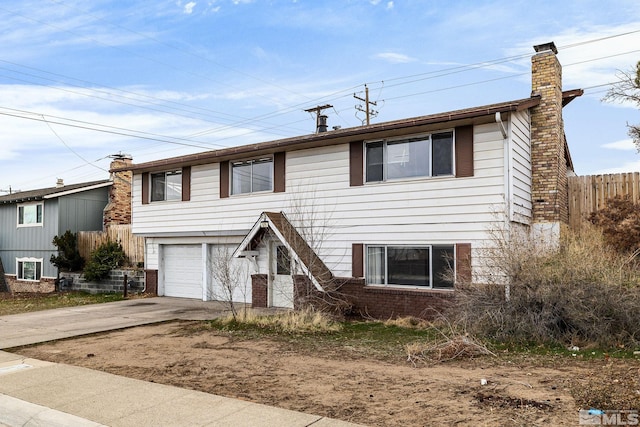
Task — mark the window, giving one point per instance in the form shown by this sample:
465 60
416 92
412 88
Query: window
425 155
283 261
251 176
166 186
424 266
29 269
30 215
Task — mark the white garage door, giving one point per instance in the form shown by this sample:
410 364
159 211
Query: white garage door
182 268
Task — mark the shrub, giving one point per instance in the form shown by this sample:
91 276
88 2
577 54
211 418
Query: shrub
105 258
68 257
580 292
620 223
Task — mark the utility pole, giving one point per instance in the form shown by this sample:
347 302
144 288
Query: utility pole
318 110
366 101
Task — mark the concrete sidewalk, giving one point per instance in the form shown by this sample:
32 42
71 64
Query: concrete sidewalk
38 393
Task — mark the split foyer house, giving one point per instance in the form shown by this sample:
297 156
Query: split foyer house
378 213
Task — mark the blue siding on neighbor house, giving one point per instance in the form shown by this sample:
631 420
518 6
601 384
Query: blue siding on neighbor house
76 212
83 211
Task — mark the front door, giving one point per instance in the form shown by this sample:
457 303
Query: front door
280 278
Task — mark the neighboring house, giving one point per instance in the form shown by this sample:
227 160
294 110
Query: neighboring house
376 212
29 220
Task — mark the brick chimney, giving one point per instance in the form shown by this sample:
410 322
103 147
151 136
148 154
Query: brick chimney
118 210
548 162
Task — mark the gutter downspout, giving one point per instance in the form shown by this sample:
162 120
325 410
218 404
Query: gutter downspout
507 185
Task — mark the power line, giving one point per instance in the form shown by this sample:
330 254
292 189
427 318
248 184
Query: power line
80 124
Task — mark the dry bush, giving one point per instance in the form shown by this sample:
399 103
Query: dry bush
449 348
580 292
620 223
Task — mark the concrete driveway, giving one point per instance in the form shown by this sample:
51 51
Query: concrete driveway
41 326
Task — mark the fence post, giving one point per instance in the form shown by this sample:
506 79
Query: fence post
126 280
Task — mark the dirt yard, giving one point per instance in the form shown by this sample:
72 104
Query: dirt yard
346 383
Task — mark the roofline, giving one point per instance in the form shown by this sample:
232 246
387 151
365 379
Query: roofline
340 136
333 137
78 190
28 196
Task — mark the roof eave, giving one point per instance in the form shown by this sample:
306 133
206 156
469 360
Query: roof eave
332 137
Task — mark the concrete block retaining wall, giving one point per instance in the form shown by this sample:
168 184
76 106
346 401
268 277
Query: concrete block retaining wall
113 284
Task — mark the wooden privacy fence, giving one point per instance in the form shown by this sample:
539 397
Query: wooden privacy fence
589 193
133 246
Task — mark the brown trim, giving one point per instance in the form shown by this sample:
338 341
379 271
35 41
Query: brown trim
186 183
463 262
357 260
145 188
224 179
279 172
464 151
356 163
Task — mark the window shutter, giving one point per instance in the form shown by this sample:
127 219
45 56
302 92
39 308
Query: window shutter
356 163
357 260
464 151
224 179
463 262
186 183
145 188
279 161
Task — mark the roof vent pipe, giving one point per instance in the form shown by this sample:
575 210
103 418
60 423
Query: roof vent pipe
59 183
322 123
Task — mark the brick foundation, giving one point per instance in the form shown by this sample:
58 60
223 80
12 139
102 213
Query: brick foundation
361 300
44 286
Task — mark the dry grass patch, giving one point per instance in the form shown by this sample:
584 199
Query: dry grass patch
296 321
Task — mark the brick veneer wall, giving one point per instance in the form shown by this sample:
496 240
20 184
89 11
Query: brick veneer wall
367 301
258 290
387 303
549 168
118 210
151 282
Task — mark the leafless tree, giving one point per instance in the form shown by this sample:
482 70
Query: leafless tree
627 89
230 280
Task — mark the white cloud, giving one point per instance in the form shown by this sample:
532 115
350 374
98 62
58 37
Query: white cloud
625 144
389 5
590 55
625 168
395 58
188 8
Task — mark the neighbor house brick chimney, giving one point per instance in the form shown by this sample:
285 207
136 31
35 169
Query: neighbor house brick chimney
118 210
548 161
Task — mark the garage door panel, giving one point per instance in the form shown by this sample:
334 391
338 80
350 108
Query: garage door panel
182 268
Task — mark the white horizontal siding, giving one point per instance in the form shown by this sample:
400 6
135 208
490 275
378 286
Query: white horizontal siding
521 167
414 211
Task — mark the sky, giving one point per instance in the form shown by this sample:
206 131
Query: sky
82 81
